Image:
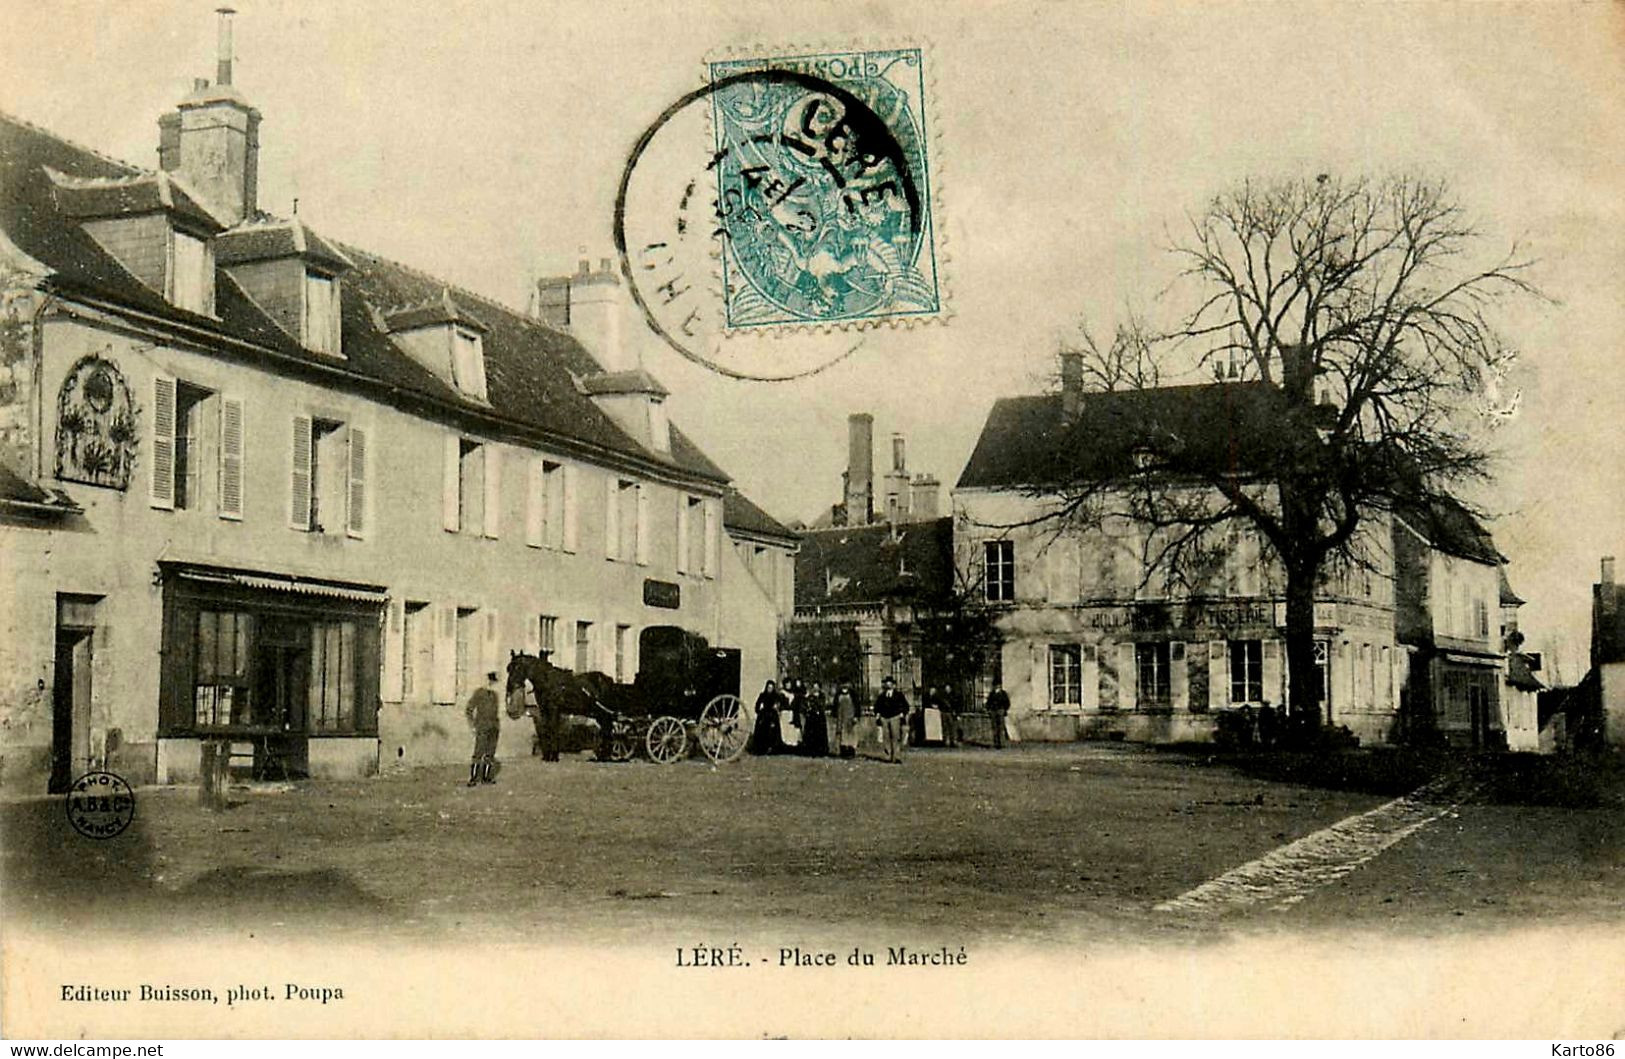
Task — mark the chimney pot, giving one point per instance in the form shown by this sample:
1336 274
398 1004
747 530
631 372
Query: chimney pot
897 463
223 57
1608 569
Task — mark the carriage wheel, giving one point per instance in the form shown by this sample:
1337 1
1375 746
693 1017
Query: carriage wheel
622 746
724 728
667 741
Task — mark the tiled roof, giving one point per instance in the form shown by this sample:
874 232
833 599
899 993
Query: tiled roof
273 238
1026 441
128 195
530 368
1519 673
738 513
1509 598
1448 526
634 381
859 565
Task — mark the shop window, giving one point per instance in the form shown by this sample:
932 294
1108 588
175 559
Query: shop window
1066 676
999 570
220 685
1154 667
332 676
1246 671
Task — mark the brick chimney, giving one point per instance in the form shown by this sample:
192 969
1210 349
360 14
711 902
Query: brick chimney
212 139
593 306
1071 386
1608 570
860 469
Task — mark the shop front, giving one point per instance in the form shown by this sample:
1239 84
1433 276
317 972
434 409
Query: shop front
284 670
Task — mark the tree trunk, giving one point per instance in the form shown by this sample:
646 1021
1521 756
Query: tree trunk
1304 680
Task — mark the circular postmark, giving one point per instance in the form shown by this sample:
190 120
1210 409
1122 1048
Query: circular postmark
100 805
777 198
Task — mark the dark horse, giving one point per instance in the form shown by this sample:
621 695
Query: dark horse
559 691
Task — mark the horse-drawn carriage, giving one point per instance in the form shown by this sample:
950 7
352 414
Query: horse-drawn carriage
686 694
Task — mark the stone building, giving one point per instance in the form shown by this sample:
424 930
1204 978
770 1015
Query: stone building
265 487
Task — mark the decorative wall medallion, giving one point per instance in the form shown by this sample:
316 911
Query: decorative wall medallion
96 429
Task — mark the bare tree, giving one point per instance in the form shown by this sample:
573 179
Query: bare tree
1352 312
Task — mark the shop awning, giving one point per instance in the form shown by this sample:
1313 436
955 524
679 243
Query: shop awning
290 583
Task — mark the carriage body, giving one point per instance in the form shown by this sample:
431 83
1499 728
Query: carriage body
686 693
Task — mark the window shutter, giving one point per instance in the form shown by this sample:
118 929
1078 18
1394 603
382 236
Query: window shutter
451 501
612 519
162 485
1179 676
1127 677
1218 674
231 457
300 484
1274 693
713 542
489 647
391 688
445 654
535 499
571 534
533 635
493 489
357 523
682 533
1090 679
640 543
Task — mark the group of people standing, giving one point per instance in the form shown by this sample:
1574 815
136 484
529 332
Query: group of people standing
798 720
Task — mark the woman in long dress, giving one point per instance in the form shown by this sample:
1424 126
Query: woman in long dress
814 729
764 738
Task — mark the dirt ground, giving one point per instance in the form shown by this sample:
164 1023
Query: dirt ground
1030 844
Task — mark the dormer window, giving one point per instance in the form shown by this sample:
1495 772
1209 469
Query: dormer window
659 426
191 274
468 361
321 330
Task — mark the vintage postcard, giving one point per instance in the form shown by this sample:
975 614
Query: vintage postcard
923 520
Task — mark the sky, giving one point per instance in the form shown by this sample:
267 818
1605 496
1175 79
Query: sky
484 142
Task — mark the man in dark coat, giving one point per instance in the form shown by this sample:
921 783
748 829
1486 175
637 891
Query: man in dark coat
891 707
998 707
483 711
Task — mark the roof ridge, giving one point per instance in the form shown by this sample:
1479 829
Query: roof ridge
76 145
456 288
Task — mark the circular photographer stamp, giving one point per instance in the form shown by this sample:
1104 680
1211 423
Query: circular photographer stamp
100 805
787 194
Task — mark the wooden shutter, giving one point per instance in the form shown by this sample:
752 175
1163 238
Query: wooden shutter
612 519
571 528
712 541
231 457
1127 677
1274 692
445 654
1089 694
490 646
161 488
535 502
640 541
391 687
493 489
451 499
1218 674
1179 676
683 520
356 524
300 485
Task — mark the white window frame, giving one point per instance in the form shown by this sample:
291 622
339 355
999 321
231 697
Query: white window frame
999 570
468 361
1065 676
190 268
1251 673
